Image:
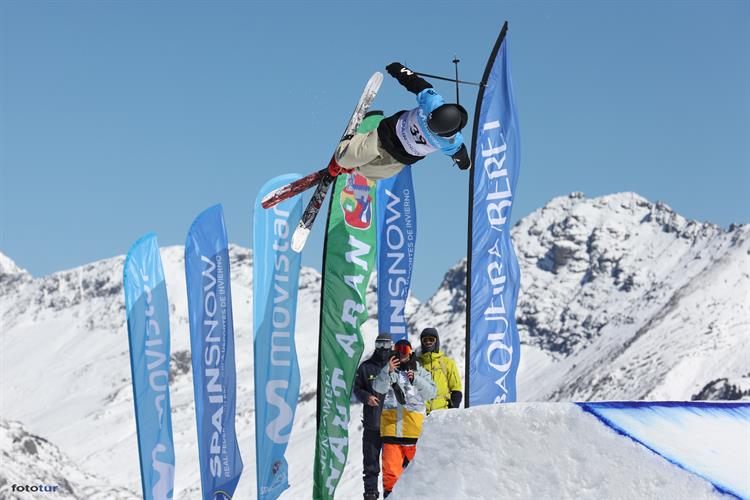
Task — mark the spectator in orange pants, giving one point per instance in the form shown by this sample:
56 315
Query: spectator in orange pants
407 386
394 458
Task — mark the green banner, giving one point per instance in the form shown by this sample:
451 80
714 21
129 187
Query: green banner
349 259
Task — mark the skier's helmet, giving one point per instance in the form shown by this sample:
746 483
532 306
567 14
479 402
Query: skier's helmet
447 119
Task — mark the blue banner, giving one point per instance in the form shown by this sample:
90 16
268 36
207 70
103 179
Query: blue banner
494 278
275 281
397 234
212 346
147 310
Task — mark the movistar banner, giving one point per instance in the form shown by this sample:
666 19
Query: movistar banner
212 346
147 309
494 277
349 258
275 280
397 233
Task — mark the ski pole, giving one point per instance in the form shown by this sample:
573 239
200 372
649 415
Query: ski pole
450 79
455 63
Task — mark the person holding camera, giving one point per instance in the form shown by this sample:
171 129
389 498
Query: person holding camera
373 404
443 370
407 386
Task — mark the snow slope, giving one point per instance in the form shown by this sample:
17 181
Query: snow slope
550 450
621 299
708 439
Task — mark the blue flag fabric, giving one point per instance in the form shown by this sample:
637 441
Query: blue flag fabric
147 310
397 234
212 345
275 283
494 276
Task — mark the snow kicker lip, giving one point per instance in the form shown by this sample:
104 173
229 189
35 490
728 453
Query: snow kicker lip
632 419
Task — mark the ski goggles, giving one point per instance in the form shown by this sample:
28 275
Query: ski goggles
403 349
383 344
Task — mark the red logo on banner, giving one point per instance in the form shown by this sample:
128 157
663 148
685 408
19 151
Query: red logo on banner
356 202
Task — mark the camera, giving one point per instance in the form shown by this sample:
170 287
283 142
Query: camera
411 364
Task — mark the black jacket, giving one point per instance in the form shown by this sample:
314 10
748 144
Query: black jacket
389 140
366 373
387 127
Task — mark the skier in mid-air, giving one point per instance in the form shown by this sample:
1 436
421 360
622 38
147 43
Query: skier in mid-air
406 136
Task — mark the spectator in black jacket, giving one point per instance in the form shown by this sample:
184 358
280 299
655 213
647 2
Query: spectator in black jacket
373 404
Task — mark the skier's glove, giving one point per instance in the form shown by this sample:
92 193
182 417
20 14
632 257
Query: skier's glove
407 78
461 157
335 169
455 399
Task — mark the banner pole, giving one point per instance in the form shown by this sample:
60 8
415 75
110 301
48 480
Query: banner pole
474 135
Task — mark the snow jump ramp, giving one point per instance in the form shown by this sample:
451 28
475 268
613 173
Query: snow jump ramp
624 450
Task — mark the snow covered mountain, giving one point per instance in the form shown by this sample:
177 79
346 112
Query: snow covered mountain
621 298
34 464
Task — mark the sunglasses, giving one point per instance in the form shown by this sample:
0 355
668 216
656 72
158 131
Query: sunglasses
383 344
404 349
429 340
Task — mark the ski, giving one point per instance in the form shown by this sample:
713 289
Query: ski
293 188
299 238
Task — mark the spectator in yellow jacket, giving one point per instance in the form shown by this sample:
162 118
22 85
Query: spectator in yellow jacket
443 370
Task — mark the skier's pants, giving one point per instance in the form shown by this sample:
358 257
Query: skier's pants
371 445
365 153
393 462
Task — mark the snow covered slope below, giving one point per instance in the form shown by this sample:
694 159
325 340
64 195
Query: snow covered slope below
545 450
708 439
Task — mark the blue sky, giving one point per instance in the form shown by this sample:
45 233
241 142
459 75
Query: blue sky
118 118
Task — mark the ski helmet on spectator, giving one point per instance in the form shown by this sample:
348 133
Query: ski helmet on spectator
430 332
383 341
383 346
403 347
447 119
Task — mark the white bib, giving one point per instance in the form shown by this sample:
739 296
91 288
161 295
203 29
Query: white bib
411 135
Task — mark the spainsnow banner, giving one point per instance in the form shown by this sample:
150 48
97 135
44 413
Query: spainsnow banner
147 310
348 261
212 346
275 281
494 277
397 234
